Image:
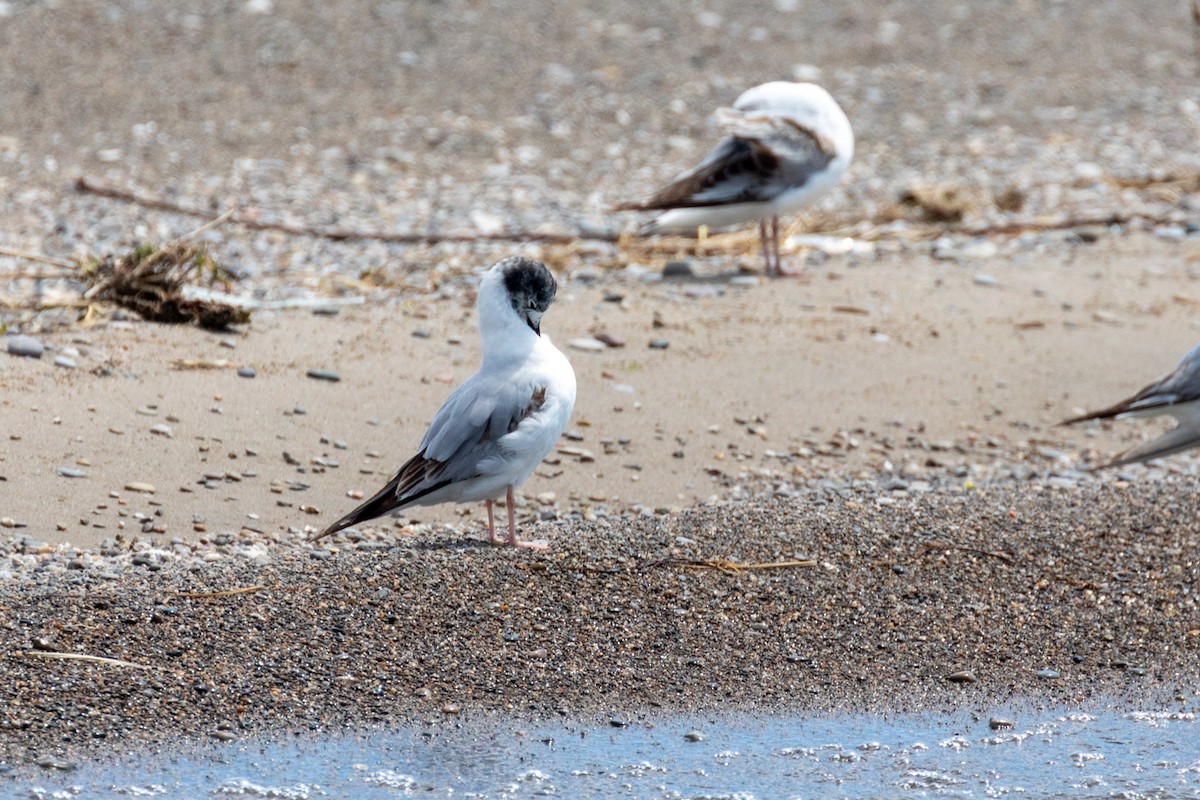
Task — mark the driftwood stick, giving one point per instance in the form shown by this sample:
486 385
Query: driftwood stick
39 258
87 186
110 662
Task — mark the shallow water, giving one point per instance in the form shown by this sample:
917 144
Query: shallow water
1076 755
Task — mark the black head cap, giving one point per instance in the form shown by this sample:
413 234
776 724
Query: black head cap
531 288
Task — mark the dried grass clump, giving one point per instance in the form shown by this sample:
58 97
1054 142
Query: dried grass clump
150 281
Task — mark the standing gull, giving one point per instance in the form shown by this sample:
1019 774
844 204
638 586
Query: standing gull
1177 394
493 431
787 144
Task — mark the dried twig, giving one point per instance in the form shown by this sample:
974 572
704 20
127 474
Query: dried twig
83 184
38 257
204 363
727 566
1007 558
111 662
224 592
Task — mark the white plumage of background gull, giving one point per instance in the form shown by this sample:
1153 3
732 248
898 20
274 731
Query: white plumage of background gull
1176 393
494 429
786 144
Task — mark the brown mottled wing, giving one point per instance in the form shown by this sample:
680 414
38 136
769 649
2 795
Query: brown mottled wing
764 158
1181 385
396 494
465 433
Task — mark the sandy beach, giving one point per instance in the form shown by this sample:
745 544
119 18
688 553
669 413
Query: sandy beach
884 431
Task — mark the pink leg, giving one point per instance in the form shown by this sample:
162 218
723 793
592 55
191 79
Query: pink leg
801 273
492 537
766 245
512 526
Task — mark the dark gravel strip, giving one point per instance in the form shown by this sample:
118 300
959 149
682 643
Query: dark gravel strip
1097 585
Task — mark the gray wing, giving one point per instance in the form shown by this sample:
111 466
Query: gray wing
745 169
464 433
1176 440
1182 385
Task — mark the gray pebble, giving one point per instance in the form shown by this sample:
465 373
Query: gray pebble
71 472
1048 673
64 362
246 372
961 676
659 344
998 724
25 346
694 736
678 269
324 375
420 333
326 311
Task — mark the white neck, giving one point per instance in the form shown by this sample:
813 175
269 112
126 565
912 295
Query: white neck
508 336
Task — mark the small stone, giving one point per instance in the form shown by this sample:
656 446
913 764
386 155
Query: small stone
986 280
980 249
162 429
659 344
323 375
421 333
246 372
1048 673
54 763
25 346
223 736
961 676
144 488
609 339
998 724
451 708
64 362
678 269
69 472
148 411
587 344
694 736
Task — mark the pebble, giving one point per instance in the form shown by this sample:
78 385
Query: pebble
421 333
246 372
70 472
986 280
694 736
64 362
25 346
981 249
587 344
323 375
678 269
609 339
962 676
659 344
162 429
144 488
1048 673
999 724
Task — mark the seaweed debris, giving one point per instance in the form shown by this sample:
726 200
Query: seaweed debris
151 281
